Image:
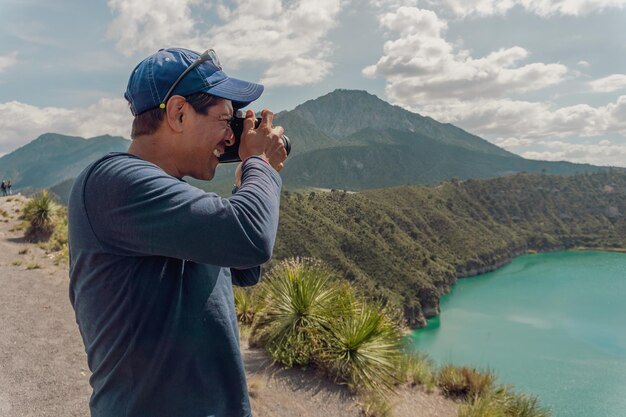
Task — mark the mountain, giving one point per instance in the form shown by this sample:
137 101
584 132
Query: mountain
407 245
343 113
53 158
353 140
344 140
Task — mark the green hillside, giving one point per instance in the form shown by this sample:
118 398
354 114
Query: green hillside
408 244
384 158
53 158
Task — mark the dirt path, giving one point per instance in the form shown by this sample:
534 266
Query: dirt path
43 366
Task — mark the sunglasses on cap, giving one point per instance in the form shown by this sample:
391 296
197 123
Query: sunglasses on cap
208 55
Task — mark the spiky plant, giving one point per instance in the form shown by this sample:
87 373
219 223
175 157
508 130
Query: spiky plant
40 212
301 299
247 305
362 349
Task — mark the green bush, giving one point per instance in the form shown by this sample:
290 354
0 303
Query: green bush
362 348
503 403
300 301
312 317
416 368
40 212
466 383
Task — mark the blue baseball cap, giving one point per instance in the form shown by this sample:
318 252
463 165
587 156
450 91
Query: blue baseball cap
178 71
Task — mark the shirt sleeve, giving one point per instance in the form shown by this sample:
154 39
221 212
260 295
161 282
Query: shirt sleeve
245 277
136 209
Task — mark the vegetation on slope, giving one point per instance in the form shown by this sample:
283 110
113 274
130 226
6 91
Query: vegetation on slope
407 245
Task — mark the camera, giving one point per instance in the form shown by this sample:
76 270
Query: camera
231 153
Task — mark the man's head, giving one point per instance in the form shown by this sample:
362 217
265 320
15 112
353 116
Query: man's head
177 71
189 97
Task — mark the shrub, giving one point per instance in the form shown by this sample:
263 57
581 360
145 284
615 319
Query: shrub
466 383
522 405
416 368
481 407
311 317
362 349
40 213
503 403
300 301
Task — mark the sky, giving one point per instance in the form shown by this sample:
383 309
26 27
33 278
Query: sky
543 79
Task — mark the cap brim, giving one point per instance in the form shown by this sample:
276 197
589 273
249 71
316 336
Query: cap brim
240 92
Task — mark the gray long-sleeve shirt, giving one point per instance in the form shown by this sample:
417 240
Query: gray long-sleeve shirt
152 260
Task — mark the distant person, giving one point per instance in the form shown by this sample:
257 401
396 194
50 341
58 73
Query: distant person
153 259
4 188
9 187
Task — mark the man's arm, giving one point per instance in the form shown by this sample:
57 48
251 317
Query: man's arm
136 209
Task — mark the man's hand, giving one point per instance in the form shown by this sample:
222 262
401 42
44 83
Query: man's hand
264 141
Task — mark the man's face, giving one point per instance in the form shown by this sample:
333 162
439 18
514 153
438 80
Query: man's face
205 138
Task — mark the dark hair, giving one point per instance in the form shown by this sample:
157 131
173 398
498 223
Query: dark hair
149 121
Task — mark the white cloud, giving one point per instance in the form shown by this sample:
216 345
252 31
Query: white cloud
421 66
7 61
544 8
608 84
583 64
515 125
288 37
21 123
147 25
602 153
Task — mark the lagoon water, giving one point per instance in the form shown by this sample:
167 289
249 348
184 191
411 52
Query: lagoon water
551 324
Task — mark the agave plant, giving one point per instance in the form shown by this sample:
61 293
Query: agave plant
362 349
40 212
301 300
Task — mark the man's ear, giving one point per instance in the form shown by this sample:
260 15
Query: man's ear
175 112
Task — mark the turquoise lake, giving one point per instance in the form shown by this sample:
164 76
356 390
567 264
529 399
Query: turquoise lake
551 324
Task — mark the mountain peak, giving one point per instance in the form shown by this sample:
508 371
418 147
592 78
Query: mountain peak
342 113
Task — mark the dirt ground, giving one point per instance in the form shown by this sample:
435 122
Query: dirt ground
43 366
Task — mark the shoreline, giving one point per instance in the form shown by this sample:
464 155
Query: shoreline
473 272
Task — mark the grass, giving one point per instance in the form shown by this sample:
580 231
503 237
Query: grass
376 406
465 383
503 402
415 368
33 265
255 386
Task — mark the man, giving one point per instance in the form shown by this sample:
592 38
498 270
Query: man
153 259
